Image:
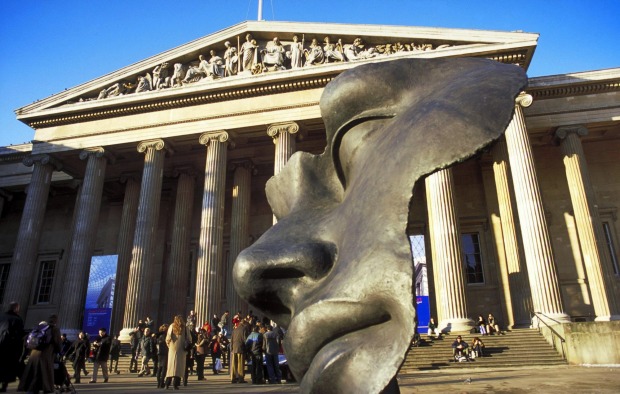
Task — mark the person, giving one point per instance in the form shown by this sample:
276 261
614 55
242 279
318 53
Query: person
191 320
477 348
482 325
271 347
38 374
134 342
314 54
254 344
296 55
202 343
65 345
225 346
230 59
320 276
237 361
162 355
432 328
492 325
215 348
101 349
115 352
11 345
176 338
459 349
273 54
147 349
248 54
223 324
80 348
215 323
190 356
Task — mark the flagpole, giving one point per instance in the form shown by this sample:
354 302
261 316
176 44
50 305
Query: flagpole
260 10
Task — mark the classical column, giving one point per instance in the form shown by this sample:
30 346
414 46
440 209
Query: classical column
541 268
211 243
283 135
139 303
589 227
240 229
87 207
123 249
447 254
174 291
516 272
22 276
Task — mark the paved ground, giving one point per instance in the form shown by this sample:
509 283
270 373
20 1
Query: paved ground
553 380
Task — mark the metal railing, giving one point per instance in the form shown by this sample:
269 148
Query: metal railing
556 334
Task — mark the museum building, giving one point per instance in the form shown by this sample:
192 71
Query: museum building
163 164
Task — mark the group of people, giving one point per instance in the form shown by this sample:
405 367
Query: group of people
489 326
461 351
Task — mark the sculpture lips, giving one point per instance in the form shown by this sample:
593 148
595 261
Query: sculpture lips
321 324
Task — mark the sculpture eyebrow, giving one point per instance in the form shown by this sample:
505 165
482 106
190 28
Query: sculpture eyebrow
337 139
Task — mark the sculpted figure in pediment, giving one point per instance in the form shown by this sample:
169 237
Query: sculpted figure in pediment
249 53
333 52
144 83
216 66
359 51
161 76
197 72
231 59
177 75
273 55
314 54
117 89
296 53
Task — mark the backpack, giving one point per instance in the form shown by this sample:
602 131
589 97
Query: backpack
39 337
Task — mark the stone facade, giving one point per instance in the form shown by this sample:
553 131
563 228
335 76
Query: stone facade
215 137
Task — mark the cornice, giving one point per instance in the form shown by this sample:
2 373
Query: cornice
180 102
575 84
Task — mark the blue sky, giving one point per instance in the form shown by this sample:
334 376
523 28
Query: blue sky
47 46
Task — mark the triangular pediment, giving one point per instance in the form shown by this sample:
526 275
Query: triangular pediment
139 83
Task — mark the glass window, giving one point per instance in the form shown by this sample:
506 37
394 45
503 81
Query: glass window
612 249
4 276
45 281
473 258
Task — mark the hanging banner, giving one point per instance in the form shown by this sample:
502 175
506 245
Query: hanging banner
100 294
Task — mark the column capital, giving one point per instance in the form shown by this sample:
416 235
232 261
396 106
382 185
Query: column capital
524 100
42 159
157 144
563 131
216 136
274 129
97 151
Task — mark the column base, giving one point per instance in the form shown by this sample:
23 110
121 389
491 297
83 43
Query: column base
551 319
457 325
124 334
608 318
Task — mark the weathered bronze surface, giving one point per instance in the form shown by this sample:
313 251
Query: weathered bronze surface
336 270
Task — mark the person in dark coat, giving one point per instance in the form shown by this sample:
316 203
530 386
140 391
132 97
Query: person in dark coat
162 355
237 361
39 372
11 345
77 354
101 350
115 352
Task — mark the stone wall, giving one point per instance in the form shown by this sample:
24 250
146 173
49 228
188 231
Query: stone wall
588 342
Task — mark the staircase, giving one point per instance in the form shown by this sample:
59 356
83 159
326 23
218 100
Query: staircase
520 347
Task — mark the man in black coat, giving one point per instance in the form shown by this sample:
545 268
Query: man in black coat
11 345
102 346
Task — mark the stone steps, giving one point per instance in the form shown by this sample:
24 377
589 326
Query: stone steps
520 347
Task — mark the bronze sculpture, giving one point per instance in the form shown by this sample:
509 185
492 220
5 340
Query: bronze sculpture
336 269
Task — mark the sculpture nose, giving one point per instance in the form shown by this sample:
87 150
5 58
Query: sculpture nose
275 276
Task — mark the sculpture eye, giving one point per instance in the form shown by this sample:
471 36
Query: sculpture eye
355 140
